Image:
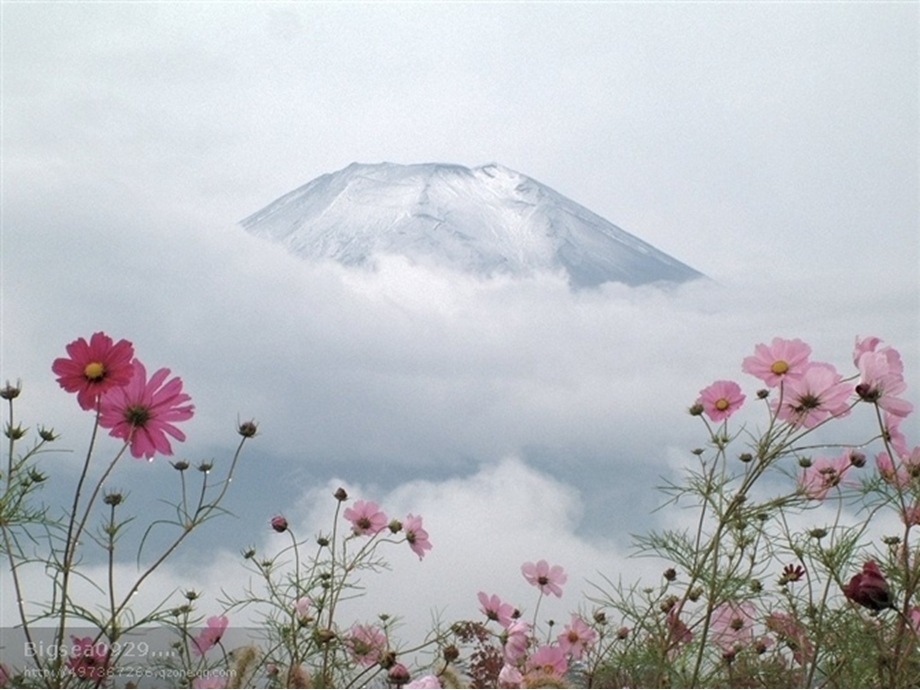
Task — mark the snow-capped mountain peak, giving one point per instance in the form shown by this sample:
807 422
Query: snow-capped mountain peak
484 220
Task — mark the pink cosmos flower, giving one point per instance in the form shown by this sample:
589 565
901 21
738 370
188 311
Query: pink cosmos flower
428 681
577 637
94 367
893 433
819 394
517 641
210 682
211 635
548 660
510 677
881 381
678 631
416 535
823 475
144 411
911 515
365 517
869 588
781 360
495 609
733 625
897 474
721 400
89 661
543 576
302 608
914 615
366 644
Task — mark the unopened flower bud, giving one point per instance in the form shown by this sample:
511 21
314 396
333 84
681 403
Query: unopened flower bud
805 462
450 653
818 533
180 465
113 499
668 604
745 457
47 434
340 494
696 409
205 467
388 659
279 523
191 595
14 432
763 393
600 616
249 552
322 541
857 459
324 635
756 585
695 594
247 429
891 541
623 633
395 526
36 476
670 574
9 391
697 451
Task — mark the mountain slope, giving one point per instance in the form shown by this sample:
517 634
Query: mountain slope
483 220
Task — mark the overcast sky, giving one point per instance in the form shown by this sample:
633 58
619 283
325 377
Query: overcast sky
772 146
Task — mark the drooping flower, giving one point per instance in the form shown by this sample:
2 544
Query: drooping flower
721 400
577 637
869 588
819 394
881 381
211 635
547 579
144 412
365 517
495 609
548 660
517 640
94 367
779 361
733 625
823 475
366 644
416 535
89 661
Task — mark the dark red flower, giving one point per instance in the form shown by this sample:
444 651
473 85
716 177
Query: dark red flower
279 523
869 588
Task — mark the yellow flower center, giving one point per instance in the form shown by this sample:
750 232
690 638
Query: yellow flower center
780 366
722 404
94 371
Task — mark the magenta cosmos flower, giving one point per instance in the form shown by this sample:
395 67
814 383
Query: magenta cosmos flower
366 517
721 399
818 395
781 359
869 588
495 609
547 578
89 661
94 367
416 535
144 412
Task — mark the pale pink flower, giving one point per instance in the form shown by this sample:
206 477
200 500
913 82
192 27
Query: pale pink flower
302 608
781 360
143 412
416 535
893 433
881 381
823 475
548 660
211 635
428 681
577 637
210 681
495 609
517 640
678 631
897 475
5 678
914 615
510 677
94 367
547 578
818 395
366 517
733 625
911 515
721 400
366 644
